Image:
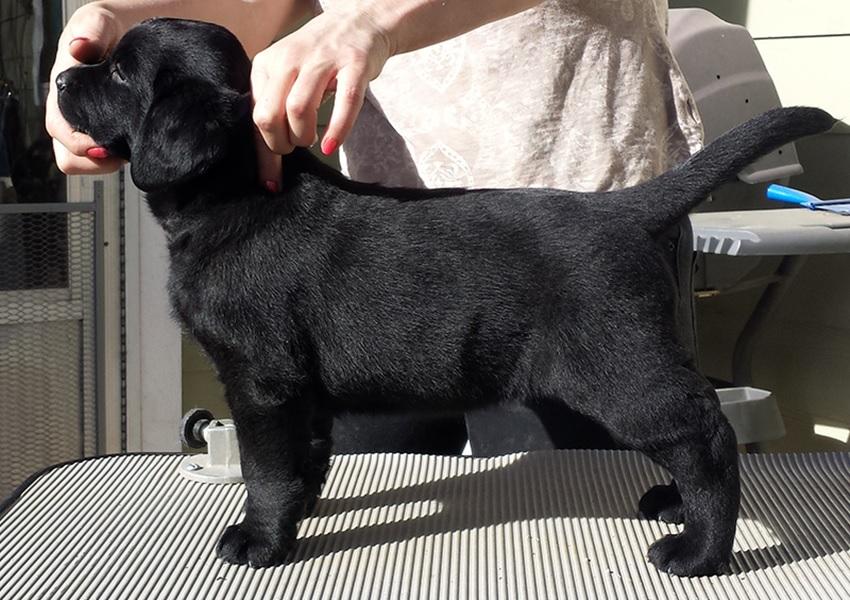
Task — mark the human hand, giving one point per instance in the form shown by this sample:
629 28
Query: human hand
87 38
340 50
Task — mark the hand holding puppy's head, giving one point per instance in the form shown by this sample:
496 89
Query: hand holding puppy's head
167 98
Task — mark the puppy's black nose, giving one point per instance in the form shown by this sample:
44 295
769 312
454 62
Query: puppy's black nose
62 81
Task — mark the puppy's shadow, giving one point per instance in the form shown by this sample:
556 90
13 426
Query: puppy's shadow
542 485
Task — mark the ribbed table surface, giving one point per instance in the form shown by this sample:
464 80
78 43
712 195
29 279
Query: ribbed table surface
537 525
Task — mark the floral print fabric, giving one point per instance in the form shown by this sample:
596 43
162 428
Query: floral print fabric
575 94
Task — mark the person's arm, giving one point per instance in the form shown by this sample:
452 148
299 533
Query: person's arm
255 22
95 28
343 49
414 24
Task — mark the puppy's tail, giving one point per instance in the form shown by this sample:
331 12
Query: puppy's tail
668 198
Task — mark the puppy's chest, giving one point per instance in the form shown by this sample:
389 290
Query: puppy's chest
206 303
229 307
194 308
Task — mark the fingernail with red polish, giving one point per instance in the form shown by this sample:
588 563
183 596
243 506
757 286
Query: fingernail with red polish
97 152
329 145
272 186
78 39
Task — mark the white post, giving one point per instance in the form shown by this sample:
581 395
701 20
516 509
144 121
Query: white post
153 338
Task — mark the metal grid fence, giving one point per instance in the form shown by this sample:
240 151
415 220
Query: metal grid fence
49 271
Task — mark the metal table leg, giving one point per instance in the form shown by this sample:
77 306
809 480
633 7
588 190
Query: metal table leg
742 357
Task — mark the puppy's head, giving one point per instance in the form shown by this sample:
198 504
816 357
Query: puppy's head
167 98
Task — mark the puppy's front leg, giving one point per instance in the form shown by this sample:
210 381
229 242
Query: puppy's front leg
318 461
274 443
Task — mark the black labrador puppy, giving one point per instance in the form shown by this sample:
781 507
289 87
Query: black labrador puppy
334 295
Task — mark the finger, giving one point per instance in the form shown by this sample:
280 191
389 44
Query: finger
351 84
88 37
269 164
302 104
269 110
70 164
74 141
84 50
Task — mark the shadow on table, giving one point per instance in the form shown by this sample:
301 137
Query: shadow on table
568 485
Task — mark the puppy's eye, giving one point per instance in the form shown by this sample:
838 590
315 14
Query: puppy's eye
116 73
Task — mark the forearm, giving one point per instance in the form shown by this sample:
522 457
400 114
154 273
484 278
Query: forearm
255 22
413 24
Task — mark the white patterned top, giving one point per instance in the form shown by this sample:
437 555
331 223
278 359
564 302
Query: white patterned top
576 94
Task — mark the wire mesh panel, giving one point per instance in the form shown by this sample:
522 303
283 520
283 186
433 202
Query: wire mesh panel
48 354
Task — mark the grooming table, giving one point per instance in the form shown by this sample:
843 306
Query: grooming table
544 525
776 232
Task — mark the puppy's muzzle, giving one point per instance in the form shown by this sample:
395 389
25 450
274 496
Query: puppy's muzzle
63 80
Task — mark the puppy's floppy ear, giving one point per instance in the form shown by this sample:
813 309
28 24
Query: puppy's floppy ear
184 133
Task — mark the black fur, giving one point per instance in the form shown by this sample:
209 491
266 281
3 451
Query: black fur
334 295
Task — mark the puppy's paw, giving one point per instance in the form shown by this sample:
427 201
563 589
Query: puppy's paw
243 545
685 555
662 503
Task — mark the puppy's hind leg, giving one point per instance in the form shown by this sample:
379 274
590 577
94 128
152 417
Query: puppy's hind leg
662 503
674 418
685 432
